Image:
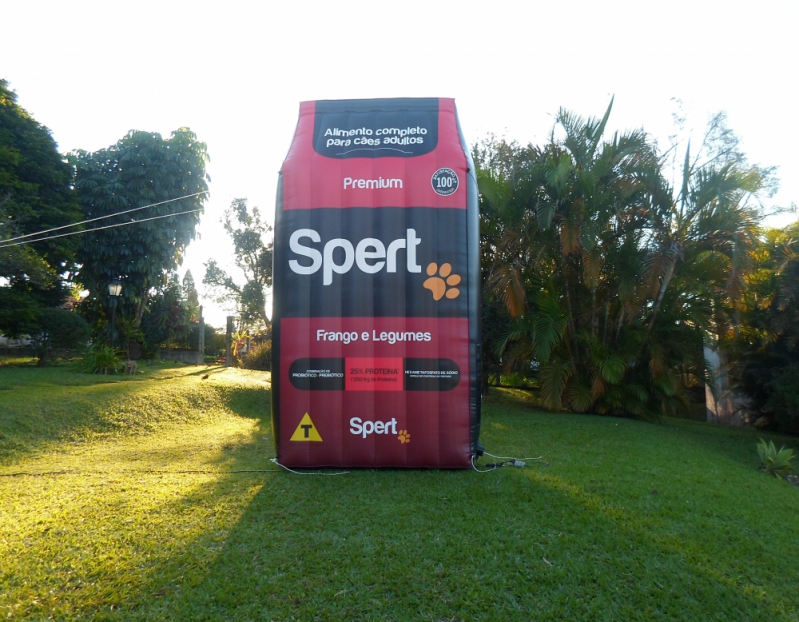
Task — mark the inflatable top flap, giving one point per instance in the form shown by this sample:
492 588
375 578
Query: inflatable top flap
343 148
376 288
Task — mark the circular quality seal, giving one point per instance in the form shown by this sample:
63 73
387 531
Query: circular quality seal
445 181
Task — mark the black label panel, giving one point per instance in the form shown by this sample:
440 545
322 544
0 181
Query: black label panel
376 128
431 374
371 262
331 374
319 374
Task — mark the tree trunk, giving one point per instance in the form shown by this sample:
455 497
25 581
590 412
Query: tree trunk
141 307
723 404
662 293
563 268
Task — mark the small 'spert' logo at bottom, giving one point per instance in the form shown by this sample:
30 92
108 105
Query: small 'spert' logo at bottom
362 428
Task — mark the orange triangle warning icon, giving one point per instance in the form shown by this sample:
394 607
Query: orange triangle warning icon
306 431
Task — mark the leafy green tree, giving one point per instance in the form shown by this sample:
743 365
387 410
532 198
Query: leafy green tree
59 328
167 320
765 346
252 248
191 296
141 169
35 194
171 319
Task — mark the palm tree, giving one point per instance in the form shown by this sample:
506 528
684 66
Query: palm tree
607 272
702 239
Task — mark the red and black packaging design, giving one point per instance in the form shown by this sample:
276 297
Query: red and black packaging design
376 288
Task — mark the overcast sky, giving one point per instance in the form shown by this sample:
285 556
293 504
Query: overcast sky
235 72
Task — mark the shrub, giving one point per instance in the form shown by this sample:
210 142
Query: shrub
259 357
99 358
59 328
773 462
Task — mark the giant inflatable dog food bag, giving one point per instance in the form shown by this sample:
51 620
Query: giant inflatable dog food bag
376 289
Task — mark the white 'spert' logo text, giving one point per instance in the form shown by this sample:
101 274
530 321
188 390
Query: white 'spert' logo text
362 428
365 428
370 254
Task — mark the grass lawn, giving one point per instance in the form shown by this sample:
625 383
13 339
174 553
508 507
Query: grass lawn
153 498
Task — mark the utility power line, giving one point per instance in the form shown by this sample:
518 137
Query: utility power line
121 224
83 222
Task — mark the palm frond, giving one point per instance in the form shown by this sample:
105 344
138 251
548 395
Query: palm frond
553 377
578 394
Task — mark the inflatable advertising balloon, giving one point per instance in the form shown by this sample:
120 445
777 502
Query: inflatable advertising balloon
376 301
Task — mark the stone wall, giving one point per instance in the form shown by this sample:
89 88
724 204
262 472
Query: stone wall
192 357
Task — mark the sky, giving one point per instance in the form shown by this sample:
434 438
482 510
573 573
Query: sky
235 72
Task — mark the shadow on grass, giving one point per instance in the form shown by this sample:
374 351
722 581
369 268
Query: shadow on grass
207 369
444 545
432 545
425 545
133 507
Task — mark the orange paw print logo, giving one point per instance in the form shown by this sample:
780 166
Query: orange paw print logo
438 285
404 436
